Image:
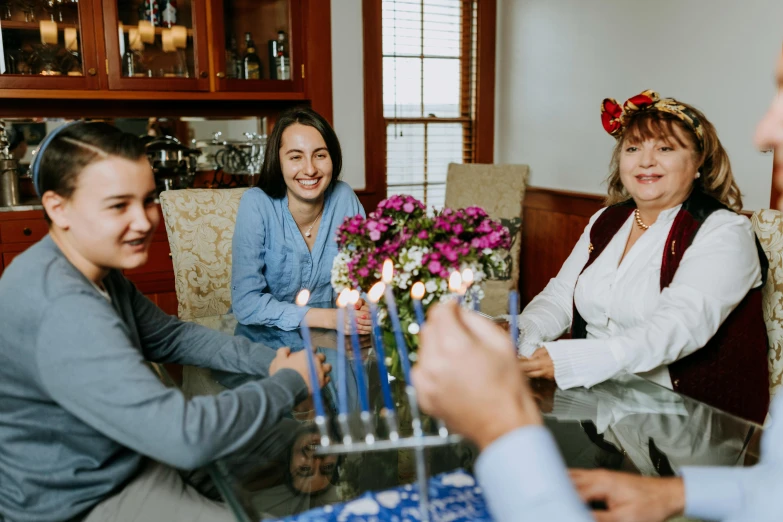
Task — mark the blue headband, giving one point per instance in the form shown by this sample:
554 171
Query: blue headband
36 167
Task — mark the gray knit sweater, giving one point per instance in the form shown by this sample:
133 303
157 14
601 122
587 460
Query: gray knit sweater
79 407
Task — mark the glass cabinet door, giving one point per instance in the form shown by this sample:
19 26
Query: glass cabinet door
156 44
47 44
261 42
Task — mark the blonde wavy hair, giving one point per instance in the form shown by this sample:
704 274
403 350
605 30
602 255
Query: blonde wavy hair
716 178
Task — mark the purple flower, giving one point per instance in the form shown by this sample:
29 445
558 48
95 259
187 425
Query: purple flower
423 234
375 235
434 267
408 207
363 271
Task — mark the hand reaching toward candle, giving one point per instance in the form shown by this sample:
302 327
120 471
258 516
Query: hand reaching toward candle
539 365
459 347
297 361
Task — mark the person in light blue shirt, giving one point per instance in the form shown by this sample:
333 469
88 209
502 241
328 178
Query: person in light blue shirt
284 239
520 470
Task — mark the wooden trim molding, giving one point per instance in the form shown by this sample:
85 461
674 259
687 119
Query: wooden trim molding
317 29
374 129
777 173
552 222
484 129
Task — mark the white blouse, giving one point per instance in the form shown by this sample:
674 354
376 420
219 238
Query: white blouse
631 325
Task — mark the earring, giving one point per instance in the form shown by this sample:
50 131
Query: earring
698 175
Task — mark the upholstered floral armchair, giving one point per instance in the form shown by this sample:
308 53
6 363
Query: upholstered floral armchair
768 225
200 227
498 189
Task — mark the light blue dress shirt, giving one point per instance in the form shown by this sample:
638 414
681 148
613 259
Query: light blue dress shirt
271 262
524 478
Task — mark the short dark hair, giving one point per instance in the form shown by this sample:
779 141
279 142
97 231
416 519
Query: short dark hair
76 147
271 180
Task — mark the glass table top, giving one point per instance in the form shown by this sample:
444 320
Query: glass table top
627 424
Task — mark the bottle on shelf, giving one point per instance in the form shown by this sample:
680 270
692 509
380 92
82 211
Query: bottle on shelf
272 59
150 10
251 63
282 61
129 63
231 59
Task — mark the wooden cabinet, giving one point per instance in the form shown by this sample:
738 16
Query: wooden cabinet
275 29
153 48
48 47
20 230
106 51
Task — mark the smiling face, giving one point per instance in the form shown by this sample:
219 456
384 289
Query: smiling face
305 162
657 170
109 220
310 473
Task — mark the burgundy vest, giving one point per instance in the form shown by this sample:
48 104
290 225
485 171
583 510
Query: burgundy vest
731 371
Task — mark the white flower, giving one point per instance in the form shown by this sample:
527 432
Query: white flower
431 286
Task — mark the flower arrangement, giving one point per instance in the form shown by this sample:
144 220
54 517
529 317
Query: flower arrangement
422 248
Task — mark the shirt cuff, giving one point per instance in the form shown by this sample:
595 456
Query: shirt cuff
292 317
713 493
529 337
582 362
524 469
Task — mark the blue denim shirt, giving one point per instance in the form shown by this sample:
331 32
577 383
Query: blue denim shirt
271 262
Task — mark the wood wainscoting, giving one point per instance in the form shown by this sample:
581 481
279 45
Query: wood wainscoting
552 221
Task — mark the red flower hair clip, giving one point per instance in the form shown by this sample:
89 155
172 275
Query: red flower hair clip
614 116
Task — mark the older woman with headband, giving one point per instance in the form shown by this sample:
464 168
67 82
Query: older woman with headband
666 281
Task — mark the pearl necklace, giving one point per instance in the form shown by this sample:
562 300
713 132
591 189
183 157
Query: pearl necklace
307 232
639 220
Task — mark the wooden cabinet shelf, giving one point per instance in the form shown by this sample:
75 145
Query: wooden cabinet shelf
204 70
158 30
31 26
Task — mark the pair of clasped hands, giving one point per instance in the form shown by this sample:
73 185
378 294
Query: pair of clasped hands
297 361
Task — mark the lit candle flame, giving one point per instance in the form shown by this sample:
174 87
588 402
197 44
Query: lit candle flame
455 282
376 292
353 297
302 297
342 299
388 271
417 290
467 277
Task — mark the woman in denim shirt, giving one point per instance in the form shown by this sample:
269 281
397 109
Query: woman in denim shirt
284 239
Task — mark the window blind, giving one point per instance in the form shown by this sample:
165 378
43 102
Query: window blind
429 92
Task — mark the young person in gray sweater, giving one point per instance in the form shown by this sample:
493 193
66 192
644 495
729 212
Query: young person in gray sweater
87 430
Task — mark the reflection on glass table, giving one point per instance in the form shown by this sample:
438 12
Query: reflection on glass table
625 424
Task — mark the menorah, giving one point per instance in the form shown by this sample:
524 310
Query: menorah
345 442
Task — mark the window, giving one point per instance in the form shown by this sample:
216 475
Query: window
422 102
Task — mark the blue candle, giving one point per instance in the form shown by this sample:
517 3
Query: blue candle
342 376
513 307
364 400
391 307
417 292
373 297
301 300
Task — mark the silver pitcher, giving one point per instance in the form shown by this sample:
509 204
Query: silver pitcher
9 178
9 182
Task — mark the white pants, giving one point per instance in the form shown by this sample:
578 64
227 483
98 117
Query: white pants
159 494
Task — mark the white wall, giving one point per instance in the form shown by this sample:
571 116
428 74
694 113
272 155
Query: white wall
557 60
348 87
